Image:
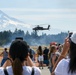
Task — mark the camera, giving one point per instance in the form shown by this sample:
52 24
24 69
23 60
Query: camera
21 38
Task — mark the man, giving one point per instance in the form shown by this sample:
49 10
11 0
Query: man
31 53
5 56
45 53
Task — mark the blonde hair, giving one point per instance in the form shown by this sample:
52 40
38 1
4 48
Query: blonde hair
51 50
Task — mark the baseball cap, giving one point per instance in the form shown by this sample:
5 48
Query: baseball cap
73 37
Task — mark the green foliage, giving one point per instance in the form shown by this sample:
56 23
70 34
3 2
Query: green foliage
32 39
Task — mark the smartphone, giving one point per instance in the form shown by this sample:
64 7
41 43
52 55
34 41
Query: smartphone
70 33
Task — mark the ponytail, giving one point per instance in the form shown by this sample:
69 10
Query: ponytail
17 67
72 65
72 55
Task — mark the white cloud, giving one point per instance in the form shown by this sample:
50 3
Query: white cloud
47 17
41 14
39 10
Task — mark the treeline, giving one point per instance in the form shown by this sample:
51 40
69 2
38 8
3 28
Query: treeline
32 39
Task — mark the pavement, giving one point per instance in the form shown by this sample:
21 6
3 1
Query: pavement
45 71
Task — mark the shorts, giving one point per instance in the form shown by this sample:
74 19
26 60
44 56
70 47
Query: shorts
3 61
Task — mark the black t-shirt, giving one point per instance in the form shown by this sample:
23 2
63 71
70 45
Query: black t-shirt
45 52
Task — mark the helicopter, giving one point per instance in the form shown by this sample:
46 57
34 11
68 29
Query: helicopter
41 28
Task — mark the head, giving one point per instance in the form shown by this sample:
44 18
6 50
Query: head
52 48
18 49
45 47
18 52
5 49
72 53
40 50
39 47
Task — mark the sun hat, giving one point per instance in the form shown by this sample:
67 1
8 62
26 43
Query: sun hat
73 37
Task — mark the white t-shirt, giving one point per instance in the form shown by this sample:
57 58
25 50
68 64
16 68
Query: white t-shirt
62 68
27 70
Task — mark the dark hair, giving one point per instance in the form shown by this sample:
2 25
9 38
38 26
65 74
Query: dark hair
5 49
72 55
18 52
40 50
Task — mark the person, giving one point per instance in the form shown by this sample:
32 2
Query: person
31 53
52 56
40 57
45 53
63 54
5 56
67 66
19 62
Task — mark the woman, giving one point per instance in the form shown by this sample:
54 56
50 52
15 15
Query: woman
19 59
40 57
67 66
52 57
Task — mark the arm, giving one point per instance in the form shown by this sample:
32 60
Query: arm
53 60
29 62
1 54
64 52
7 63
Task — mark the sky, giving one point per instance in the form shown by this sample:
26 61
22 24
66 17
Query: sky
60 14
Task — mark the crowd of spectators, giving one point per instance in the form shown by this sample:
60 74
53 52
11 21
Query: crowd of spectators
60 59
